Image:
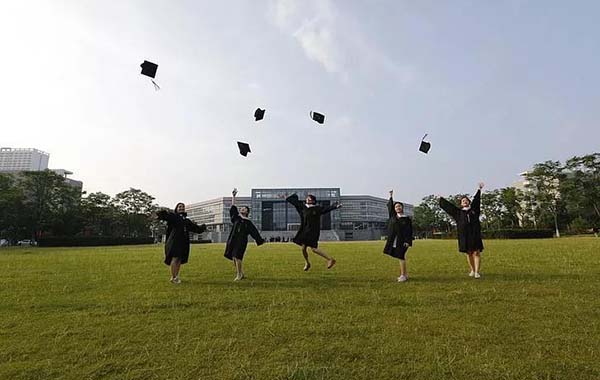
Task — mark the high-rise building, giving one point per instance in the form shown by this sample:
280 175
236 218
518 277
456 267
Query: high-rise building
23 159
17 160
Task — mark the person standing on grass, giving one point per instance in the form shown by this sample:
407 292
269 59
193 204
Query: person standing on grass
310 228
399 235
469 228
177 247
238 237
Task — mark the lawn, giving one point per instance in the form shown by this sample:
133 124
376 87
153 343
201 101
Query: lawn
111 313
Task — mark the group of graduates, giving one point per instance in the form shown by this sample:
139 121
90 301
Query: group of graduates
399 234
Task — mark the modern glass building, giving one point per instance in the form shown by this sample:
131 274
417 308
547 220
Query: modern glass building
362 217
275 214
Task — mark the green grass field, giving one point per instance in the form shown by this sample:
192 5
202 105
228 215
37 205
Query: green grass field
111 313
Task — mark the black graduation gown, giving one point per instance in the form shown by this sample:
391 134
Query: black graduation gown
178 235
398 228
310 229
238 237
467 224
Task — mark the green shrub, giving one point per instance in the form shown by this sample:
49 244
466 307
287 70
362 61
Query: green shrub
91 241
518 233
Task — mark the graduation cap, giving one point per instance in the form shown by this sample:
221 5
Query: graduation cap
425 146
259 114
149 70
318 117
244 148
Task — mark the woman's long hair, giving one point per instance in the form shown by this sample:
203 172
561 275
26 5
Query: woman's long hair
170 225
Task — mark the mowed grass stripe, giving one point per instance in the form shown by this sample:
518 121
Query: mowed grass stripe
110 313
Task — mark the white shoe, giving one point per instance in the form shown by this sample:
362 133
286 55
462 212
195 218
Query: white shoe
402 278
176 280
237 278
477 275
472 274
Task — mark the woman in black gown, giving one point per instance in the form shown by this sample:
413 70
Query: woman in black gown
310 229
238 237
469 228
399 236
177 247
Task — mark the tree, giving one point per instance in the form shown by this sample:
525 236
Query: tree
545 180
491 209
12 217
429 217
511 201
50 204
581 188
136 209
100 216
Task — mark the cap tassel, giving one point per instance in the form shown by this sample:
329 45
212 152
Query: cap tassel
423 139
156 87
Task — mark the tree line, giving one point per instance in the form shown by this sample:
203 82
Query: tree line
559 196
40 203
564 197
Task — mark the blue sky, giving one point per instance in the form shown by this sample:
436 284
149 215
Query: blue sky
498 85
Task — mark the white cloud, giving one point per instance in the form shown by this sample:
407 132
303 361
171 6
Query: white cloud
334 40
319 45
283 11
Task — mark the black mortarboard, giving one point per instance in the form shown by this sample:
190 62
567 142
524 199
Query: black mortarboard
244 148
259 114
318 117
149 70
425 146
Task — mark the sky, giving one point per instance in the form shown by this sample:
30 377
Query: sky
497 85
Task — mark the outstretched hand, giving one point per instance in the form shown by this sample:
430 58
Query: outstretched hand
339 205
234 192
481 184
391 193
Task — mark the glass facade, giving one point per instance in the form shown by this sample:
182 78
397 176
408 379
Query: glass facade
273 213
364 214
214 213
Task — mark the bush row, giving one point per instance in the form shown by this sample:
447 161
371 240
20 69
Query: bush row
90 241
514 233
518 233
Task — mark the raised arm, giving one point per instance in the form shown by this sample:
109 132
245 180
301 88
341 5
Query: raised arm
390 204
166 216
476 203
195 228
450 208
294 201
234 213
330 208
233 193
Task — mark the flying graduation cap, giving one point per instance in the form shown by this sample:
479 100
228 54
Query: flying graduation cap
318 117
149 70
259 114
425 146
244 148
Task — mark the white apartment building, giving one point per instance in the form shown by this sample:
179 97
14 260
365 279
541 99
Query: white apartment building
23 159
